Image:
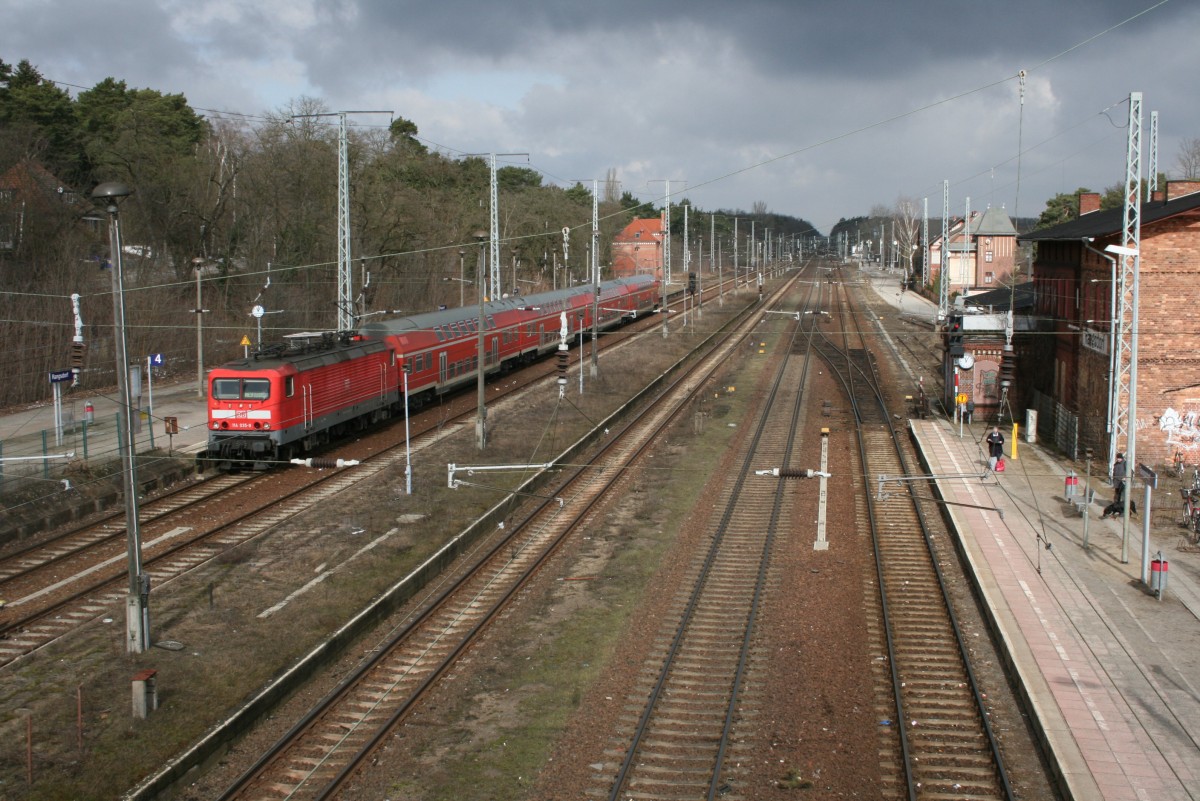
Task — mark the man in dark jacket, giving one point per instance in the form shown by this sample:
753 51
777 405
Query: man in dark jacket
995 441
1118 479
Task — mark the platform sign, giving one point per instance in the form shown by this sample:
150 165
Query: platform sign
155 360
1148 475
60 376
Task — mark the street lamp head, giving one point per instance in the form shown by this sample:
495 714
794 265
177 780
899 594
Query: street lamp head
110 193
1120 250
480 236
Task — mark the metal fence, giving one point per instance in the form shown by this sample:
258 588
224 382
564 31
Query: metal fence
1057 424
50 454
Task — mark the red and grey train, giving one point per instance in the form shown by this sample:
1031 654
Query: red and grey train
287 399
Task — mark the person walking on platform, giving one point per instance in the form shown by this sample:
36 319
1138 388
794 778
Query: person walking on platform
995 441
1118 479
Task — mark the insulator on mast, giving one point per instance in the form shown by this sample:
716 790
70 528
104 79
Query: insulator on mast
1008 367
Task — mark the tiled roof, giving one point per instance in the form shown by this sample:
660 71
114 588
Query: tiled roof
641 230
1111 221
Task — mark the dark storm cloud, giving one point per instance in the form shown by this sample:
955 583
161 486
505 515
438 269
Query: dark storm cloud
849 38
848 94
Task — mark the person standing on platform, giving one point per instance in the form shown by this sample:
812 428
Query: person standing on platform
1118 479
995 441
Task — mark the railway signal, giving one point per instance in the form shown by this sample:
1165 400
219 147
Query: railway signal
954 335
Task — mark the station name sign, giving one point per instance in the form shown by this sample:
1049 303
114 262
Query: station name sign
1095 340
60 376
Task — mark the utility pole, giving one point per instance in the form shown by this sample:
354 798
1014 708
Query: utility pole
494 218
345 294
199 311
1129 251
595 370
666 277
944 273
137 601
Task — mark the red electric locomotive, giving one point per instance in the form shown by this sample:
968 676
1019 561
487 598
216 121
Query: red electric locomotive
286 400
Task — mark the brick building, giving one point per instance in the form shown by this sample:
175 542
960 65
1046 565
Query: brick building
1068 375
638 249
979 257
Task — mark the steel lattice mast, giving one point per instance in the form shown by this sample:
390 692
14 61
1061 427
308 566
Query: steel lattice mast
1152 167
925 245
494 239
345 295
943 274
1125 407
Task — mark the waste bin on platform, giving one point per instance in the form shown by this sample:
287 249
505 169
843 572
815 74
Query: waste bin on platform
1158 576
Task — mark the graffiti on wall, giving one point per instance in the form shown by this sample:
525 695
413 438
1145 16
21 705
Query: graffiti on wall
1182 430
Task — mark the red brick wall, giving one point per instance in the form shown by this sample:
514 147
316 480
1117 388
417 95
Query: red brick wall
1168 413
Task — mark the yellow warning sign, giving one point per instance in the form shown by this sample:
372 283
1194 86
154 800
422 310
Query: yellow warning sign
245 340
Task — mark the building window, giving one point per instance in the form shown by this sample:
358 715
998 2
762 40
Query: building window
987 256
987 278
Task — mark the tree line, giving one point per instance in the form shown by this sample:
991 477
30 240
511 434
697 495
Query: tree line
249 204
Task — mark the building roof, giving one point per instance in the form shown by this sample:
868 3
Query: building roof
1111 221
1016 297
641 230
993 222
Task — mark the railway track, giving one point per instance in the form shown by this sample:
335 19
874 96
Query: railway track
57 584
323 752
683 714
939 743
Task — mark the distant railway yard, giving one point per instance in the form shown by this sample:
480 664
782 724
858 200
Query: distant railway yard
634 608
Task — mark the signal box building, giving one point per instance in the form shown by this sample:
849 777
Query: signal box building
638 249
1071 368
982 351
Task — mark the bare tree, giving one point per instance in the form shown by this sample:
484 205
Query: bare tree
612 187
1188 159
907 232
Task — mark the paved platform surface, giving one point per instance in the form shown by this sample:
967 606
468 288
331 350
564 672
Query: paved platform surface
1110 670
31 432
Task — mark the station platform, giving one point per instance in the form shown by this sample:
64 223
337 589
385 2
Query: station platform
1104 664
88 430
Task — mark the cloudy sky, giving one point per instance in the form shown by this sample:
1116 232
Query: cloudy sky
817 109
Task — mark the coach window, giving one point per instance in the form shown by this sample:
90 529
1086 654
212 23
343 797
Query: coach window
440 335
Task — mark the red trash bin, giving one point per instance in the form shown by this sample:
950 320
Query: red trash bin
1158 576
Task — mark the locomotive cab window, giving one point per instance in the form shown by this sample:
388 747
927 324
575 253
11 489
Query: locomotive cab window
256 389
289 386
227 389
241 389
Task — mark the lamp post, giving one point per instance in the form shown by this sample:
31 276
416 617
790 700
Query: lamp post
481 418
200 311
137 611
407 368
